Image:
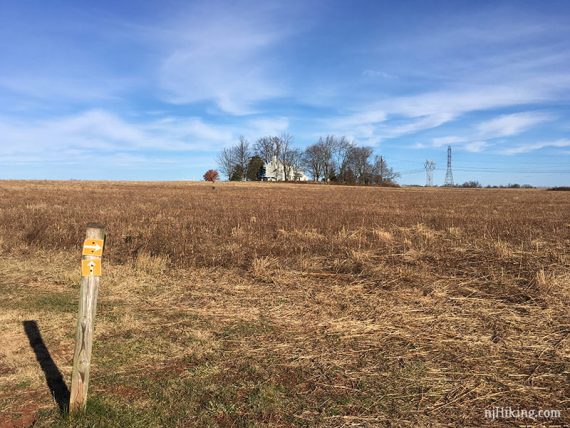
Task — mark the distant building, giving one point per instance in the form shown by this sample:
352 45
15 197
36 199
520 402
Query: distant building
275 171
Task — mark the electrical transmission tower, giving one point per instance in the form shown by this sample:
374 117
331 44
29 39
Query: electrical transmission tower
449 173
429 166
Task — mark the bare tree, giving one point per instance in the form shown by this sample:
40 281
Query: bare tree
233 161
227 161
340 151
326 150
313 161
318 158
329 158
294 164
281 149
242 154
266 148
286 154
382 173
359 163
327 147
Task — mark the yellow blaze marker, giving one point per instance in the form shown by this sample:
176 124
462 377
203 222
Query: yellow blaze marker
93 247
91 267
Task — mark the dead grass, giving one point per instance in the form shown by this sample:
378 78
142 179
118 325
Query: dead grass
283 305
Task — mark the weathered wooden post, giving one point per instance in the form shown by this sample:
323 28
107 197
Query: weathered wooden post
90 276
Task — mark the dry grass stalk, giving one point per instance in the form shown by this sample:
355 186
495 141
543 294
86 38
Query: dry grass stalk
282 305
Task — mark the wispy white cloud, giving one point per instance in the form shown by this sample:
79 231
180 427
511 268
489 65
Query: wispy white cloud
447 140
251 68
65 88
531 147
512 124
266 126
476 138
415 124
408 115
365 117
475 146
224 53
475 64
377 74
100 131
214 51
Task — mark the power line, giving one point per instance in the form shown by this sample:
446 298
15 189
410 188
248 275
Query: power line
429 168
486 171
506 171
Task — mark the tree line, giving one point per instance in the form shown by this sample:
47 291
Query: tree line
330 159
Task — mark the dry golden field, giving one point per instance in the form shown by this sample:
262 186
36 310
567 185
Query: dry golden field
288 305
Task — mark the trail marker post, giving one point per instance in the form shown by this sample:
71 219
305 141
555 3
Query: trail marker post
90 277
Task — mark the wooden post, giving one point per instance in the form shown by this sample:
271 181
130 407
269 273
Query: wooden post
90 276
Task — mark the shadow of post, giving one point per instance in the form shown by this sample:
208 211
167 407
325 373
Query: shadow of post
54 378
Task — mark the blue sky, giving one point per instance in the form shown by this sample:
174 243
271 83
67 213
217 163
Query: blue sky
153 90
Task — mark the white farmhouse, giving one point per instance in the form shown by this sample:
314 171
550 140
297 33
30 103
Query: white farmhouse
275 171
